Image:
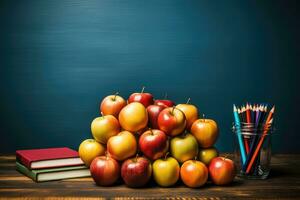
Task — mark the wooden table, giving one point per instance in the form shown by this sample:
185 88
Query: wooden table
284 182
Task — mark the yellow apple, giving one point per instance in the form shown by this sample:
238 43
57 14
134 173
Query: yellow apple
191 113
122 146
133 117
206 132
206 155
90 149
166 171
184 147
104 127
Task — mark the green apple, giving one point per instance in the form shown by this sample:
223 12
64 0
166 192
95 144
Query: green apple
166 171
184 147
206 155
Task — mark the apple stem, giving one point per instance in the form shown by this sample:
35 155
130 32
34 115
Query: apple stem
166 95
173 110
195 157
166 155
115 96
102 115
188 101
203 117
136 157
143 88
150 129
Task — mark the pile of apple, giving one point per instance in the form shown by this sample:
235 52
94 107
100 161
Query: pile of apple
144 138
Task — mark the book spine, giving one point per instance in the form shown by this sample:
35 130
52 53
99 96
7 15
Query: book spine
26 171
23 160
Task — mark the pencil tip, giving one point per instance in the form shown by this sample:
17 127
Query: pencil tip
273 109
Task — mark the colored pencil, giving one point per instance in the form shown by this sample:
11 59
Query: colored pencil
248 120
265 109
262 121
248 113
242 114
258 115
246 137
253 113
259 120
240 139
259 145
254 139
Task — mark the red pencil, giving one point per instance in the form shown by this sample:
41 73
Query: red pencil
258 147
248 120
248 114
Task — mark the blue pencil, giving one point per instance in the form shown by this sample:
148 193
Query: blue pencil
240 139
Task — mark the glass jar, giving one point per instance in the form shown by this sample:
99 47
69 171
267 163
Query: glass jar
256 140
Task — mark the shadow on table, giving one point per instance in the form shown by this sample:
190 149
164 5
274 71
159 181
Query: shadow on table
278 173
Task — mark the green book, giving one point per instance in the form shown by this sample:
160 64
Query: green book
40 175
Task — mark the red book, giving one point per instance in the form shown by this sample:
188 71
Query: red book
48 158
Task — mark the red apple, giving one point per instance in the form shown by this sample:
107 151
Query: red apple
112 105
105 170
222 170
153 112
144 98
172 121
154 144
136 172
164 102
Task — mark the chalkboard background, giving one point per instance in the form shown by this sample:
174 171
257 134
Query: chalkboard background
59 58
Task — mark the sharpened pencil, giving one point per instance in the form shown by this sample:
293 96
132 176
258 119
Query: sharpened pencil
248 113
240 139
242 114
259 145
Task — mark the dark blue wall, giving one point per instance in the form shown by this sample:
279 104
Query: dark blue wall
60 58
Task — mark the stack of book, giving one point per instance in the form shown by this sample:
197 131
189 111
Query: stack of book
50 164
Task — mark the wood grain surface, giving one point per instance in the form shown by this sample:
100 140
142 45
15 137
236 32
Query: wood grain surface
283 183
